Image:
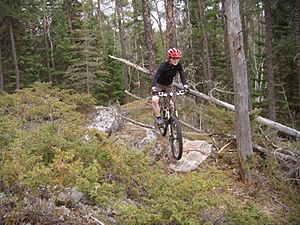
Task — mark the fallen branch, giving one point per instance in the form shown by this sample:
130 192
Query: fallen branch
221 149
136 97
137 123
144 70
97 221
277 126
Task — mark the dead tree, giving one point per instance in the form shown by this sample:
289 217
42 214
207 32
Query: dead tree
239 69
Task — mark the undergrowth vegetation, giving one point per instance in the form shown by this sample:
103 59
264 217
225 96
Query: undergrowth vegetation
44 141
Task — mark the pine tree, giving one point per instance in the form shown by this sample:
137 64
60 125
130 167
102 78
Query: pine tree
85 71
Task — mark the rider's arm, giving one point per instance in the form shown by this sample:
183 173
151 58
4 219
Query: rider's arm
181 73
157 75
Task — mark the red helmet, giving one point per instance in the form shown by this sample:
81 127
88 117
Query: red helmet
174 53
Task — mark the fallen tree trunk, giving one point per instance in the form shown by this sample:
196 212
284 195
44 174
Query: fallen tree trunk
277 126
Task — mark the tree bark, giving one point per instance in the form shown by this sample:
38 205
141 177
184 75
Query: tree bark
1 72
170 23
122 43
239 69
159 25
14 53
243 8
149 36
226 48
296 25
269 60
205 50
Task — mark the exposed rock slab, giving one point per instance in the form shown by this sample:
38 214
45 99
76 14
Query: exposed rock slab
194 153
106 119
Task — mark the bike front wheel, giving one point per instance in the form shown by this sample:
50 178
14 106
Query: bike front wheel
175 138
163 128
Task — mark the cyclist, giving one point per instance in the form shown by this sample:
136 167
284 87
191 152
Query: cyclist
163 79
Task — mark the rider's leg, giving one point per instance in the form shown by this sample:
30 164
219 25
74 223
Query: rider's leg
155 106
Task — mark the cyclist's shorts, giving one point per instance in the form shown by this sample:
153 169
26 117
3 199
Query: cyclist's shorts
168 88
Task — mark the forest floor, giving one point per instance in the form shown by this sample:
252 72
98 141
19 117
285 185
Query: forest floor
54 171
278 199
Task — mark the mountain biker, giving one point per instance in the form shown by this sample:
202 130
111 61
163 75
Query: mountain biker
163 79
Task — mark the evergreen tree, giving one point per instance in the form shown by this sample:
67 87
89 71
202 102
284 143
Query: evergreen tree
85 71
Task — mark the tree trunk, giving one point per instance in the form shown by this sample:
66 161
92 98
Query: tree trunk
170 23
190 28
14 53
35 37
206 58
226 48
68 5
122 43
269 60
149 37
243 8
46 42
239 69
1 72
100 18
296 24
160 25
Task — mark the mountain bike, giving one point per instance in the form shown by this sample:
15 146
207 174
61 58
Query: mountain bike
171 124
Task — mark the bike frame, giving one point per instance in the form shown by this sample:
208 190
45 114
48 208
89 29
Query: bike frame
167 102
170 115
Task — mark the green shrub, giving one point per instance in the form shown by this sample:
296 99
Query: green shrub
245 214
44 142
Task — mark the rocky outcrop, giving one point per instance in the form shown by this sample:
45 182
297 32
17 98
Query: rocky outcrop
194 153
133 135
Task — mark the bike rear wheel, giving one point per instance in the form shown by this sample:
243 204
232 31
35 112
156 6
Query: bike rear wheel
175 138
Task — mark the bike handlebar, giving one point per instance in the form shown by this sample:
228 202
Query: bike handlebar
165 94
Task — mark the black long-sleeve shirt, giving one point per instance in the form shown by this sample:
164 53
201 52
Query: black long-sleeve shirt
166 73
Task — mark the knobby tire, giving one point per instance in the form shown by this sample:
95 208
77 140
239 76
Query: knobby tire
163 129
175 138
